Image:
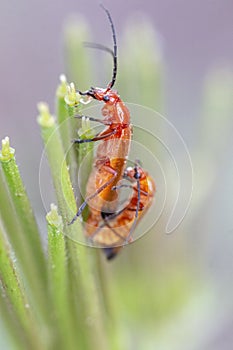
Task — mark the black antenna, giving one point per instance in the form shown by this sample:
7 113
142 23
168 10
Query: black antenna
114 73
105 48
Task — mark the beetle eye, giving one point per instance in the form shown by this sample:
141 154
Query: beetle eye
106 98
137 174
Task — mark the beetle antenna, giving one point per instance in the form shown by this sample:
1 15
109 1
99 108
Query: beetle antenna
114 73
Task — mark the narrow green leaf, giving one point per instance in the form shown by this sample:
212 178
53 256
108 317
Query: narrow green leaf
16 339
14 291
80 272
34 293
69 334
10 279
22 207
67 102
20 225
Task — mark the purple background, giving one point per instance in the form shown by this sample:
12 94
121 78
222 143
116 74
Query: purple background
196 36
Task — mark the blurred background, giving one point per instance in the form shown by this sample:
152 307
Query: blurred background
170 291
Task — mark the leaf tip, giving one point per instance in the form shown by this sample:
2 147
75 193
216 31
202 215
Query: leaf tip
45 119
6 153
53 218
72 97
62 87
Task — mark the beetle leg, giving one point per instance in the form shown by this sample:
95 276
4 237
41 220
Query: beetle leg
97 137
94 119
98 191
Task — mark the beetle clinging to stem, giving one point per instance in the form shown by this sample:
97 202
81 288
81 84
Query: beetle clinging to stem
113 149
106 224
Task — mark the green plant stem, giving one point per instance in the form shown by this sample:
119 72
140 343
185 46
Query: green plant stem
68 126
23 208
85 160
13 327
104 282
58 282
81 275
10 279
34 289
13 288
62 113
26 243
